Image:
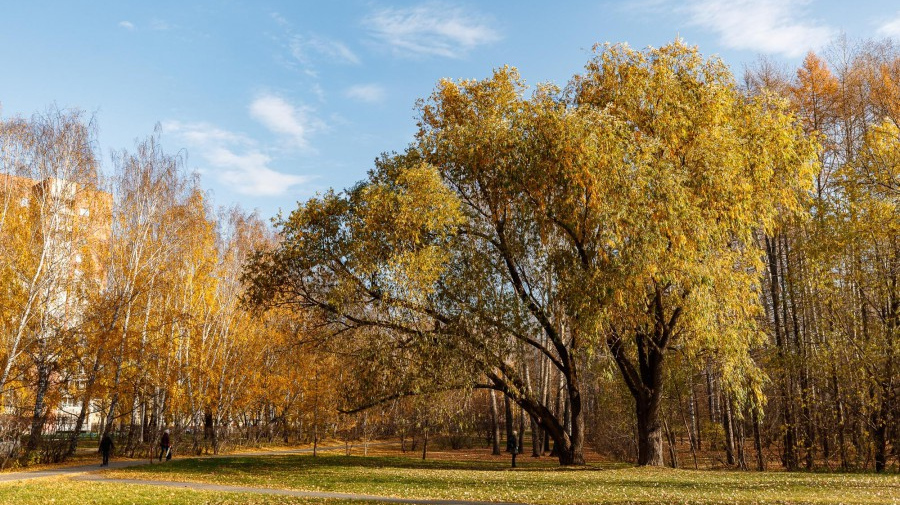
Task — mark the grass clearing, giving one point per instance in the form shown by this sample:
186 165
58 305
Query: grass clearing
536 481
65 491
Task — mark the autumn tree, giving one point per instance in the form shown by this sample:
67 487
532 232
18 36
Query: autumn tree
53 230
618 213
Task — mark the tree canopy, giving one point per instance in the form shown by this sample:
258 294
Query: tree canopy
619 215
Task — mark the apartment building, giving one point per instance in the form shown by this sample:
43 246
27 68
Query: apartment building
54 236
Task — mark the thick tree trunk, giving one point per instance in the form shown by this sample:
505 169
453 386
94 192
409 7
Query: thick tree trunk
650 444
574 455
644 378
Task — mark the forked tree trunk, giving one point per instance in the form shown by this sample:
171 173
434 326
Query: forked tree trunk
644 378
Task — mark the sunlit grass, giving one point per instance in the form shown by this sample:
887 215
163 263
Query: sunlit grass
64 491
539 481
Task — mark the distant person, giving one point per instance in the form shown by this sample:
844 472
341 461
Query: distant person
512 445
106 447
165 447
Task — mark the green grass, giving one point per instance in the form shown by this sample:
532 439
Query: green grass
535 482
63 491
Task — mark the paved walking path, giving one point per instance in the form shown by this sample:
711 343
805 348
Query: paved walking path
86 472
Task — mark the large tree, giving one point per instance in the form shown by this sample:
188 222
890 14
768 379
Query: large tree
704 169
524 229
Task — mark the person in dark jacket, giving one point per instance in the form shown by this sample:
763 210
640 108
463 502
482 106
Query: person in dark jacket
106 447
512 445
164 446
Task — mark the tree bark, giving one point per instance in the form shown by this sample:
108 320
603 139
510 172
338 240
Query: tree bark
757 442
650 446
508 417
38 417
728 425
495 425
644 379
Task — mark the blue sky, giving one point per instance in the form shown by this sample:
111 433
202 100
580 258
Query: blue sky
273 101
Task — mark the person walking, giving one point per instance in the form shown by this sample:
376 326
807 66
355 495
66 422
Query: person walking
512 445
165 447
106 447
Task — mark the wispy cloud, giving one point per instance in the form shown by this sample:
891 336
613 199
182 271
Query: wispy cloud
281 20
128 25
293 123
371 93
891 28
160 25
306 49
432 29
305 52
234 160
769 26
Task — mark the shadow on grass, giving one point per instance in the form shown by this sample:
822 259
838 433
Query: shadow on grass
294 463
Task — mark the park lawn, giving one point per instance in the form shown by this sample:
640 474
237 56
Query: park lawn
66 491
534 482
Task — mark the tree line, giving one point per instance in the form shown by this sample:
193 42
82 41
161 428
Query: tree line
121 303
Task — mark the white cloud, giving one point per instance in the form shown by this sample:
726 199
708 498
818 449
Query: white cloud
891 28
248 172
769 26
371 93
432 29
234 160
128 25
283 118
305 49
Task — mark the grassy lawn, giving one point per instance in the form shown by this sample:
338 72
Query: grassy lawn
63 491
534 482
